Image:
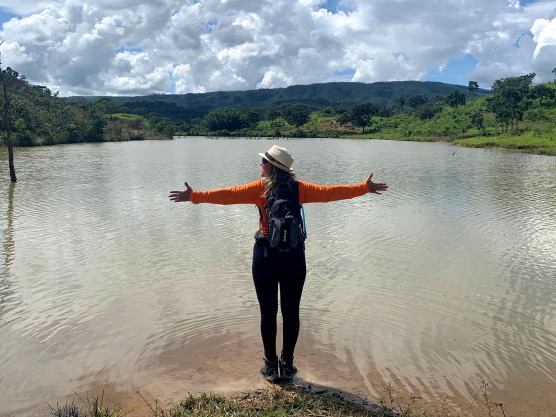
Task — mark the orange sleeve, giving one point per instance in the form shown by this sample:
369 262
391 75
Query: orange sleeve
241 194
315 193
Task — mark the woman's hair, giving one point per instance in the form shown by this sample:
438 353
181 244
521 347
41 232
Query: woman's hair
276 176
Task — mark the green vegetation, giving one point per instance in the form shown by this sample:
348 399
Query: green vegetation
38 118
288 400
276 401
514 115
190 107
41 118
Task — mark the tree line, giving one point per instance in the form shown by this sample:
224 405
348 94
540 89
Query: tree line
42 118
510 99
39 118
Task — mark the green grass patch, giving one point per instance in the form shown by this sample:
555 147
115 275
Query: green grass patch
127 116
527 142
134 120
467 125
290 400
276 401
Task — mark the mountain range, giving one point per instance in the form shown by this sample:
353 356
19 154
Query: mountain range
316 96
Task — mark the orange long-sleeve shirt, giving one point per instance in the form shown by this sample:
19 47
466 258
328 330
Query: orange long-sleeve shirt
252 193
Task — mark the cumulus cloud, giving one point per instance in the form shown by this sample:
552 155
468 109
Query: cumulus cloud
129 47
544 34
274 78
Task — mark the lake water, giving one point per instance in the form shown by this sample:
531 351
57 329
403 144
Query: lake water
446 281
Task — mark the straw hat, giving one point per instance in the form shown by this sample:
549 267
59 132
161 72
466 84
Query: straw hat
279 157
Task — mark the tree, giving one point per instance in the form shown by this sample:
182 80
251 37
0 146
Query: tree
473 86
252 118
8 123
456 99
344 118
295 114
110 106
508 101
428 110
273 114
417 101
98 123
542 92
384 111
361 114
399 104
478 121
224 119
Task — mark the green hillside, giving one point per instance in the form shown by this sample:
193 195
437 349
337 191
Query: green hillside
39 117
515 114
187 107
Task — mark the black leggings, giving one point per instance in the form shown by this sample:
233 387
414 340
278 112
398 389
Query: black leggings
288 270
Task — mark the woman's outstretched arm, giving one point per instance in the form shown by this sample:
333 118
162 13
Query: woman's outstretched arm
239 194
316 193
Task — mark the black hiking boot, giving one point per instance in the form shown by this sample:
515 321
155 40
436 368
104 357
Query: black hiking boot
270 370
287 370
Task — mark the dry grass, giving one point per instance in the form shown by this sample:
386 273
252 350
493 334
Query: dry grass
289 401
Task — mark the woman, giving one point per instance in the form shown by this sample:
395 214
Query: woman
273 268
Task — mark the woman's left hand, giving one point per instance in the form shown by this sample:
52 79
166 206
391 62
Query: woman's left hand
375 187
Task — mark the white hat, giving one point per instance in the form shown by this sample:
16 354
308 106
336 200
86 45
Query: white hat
279 157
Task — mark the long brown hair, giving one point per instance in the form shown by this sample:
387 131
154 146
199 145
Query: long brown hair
275 177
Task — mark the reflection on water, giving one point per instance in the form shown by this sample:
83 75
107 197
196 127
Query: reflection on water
8 243
445 280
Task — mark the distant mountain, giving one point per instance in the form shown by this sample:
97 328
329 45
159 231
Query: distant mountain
316 96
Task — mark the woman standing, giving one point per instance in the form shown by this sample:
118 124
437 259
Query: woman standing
272 267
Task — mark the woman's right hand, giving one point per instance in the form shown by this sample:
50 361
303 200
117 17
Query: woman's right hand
181 195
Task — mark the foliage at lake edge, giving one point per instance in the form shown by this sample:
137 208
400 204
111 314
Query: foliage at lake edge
283 400
516 115
41 118
274 401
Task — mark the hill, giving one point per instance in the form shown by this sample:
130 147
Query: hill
39 117
514 114
187 107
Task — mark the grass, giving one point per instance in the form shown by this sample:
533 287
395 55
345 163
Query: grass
527 142
127 116
535 134
275 401
124 127
290 400
94 408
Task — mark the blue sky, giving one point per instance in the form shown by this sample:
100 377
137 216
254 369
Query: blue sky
100 48
5 15
457 71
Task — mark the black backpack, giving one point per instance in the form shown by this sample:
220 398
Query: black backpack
286 226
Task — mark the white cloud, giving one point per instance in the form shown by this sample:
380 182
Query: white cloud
139 47
274 78
544 34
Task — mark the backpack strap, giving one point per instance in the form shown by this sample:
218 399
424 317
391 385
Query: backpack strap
304 231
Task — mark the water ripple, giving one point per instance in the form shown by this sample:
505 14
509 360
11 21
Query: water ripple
446 278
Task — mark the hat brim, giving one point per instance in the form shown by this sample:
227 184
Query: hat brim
283 168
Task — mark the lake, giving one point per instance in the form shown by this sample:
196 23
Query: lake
443 283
